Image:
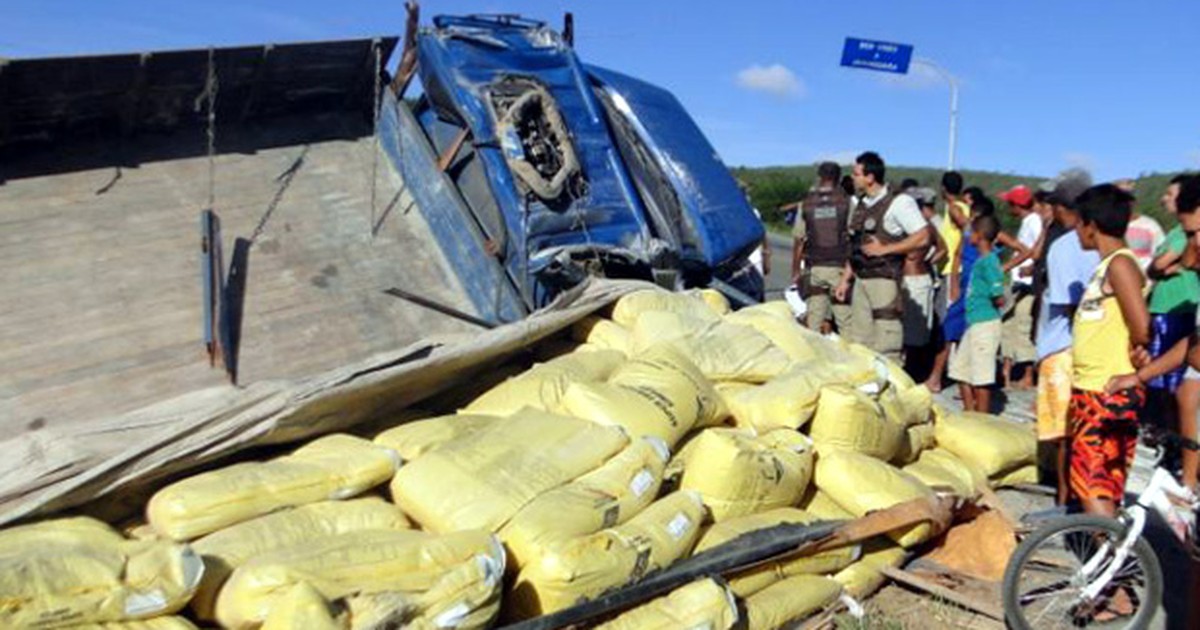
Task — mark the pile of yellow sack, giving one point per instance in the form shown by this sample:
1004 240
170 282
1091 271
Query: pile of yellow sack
671 426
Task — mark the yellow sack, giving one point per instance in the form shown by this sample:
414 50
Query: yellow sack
482 480
155 623
333 467
542 386
414 439
403 561
465 598
731 352
1025 475
790 600
849 419
819 504
802 346
896 374
607 496
703 604
864 577
627 309
940 469
658 393
784 402
738 472
759 578
301 607
79 570
918 438
657 327
728 389
993 444
225 550
603 333
582 568
907 407
862 484
775 308
714 300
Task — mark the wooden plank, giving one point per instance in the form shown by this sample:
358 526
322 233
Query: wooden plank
102 310
987 609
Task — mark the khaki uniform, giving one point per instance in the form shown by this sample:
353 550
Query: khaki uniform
877 305
822 224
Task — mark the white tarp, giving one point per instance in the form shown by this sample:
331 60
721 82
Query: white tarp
48 469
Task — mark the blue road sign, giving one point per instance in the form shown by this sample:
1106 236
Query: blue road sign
873 55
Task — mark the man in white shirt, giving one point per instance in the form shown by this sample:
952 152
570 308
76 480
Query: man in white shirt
1016 343
885 228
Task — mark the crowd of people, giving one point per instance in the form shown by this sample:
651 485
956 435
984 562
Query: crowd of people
1089 302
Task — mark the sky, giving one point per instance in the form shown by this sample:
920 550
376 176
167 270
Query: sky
1044 84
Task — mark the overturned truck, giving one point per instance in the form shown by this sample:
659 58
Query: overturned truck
251 287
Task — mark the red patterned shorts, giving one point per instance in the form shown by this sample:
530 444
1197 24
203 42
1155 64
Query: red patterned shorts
1104 432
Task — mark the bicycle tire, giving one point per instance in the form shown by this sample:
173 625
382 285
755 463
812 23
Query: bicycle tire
1141 550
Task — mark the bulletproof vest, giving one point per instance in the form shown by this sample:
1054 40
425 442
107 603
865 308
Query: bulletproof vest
868 223
826 212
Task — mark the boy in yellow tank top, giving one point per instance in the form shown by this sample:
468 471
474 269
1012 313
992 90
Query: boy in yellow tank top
1111 321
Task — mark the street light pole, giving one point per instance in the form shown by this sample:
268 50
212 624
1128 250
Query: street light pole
953 82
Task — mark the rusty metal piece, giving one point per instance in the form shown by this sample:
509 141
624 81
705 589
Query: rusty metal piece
447 156
408 59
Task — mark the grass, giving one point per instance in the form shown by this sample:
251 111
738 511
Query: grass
773 186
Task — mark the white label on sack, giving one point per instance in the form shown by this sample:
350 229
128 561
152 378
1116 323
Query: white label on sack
142 604
641 482
660 447
453 616
679 526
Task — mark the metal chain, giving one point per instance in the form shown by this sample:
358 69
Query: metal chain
375 132
285 181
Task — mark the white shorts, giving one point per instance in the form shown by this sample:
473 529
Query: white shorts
973 358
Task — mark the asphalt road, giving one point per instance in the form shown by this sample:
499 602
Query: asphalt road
781 265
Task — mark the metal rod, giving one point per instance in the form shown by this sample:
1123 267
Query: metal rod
439 307
953 83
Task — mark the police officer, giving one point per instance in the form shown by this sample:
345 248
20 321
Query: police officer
821 243
884 229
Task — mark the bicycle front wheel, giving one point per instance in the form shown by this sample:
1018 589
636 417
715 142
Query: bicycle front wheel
1045 579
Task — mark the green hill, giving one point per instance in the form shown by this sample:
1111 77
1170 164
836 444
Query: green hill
773 186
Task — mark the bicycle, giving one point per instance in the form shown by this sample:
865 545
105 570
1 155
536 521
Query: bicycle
1068 572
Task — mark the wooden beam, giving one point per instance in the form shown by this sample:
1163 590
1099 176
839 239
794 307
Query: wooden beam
987 609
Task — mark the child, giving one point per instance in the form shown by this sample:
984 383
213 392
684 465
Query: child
973 361
1112 320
